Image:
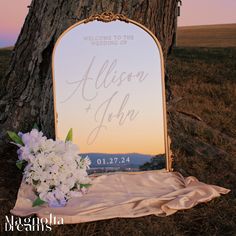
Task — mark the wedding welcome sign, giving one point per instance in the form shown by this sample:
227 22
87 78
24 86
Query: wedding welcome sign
108 84
109 88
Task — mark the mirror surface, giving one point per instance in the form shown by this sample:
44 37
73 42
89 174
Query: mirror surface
108 87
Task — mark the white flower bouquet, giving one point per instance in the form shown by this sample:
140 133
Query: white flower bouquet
54 168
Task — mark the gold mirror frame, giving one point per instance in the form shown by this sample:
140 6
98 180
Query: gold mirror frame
109 17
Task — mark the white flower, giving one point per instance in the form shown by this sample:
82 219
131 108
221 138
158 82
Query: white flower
24 153
59 195
64 188
54 168
86 162
33 139
75 194
83 190
42 187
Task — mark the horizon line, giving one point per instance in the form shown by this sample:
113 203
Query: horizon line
178 27
181 26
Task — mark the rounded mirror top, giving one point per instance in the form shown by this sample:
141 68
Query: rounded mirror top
108 84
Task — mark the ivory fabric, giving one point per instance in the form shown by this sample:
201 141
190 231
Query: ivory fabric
124 195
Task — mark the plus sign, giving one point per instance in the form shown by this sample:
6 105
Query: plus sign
88 108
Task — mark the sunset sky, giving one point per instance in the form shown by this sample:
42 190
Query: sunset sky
90 93
193 12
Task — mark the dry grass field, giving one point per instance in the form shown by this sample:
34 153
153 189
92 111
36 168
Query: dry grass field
207 36
203 121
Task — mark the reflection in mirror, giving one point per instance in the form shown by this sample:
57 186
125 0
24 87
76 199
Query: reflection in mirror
108 87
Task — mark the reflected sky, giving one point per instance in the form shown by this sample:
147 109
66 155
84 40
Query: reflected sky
108 89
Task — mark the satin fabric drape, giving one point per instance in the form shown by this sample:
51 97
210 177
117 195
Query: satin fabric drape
125 195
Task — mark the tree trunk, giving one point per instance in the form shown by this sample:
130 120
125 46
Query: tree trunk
26 92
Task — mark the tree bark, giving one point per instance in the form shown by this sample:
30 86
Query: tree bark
26 95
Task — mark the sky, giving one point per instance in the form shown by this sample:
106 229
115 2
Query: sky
193 12
109 97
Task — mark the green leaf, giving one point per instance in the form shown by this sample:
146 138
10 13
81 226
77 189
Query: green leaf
20 164
69 135
85 185
15 137
36 126
38 202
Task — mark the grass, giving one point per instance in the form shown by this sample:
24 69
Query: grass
205 79
207 36
203 83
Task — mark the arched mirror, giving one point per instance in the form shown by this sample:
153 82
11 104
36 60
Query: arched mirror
108 79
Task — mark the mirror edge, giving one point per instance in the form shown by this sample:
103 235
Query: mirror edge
109 17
